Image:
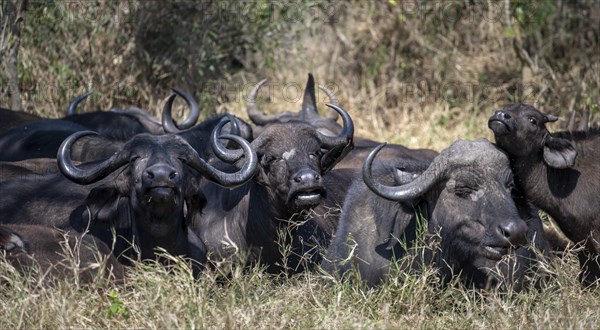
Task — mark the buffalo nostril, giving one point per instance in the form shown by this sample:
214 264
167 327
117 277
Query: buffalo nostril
317 177
513 232
173 175
150 174
298 179
502 115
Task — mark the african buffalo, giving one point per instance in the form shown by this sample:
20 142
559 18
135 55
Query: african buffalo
464 196
38 139
54 255
293 157
148 192
558 172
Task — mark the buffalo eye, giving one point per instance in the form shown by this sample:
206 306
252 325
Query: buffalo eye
133 158
532 121
463 191
268 160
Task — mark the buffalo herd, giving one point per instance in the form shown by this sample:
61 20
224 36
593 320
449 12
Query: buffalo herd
291 192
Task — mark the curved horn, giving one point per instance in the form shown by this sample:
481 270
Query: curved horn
228 180
72 110
418 187
223 153
89 174
345 136
254 114
167 118
331 95
194 114
234 128
257 117
551 118
332 99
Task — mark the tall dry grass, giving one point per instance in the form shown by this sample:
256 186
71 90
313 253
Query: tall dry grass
157 297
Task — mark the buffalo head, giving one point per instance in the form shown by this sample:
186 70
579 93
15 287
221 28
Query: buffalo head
293 157
520 129
153 180
467 196
154 167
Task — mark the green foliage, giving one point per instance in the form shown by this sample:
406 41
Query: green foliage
117 308
533 15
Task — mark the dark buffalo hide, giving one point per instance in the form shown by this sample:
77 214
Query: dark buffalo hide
558 172
52 254
10 119
42 138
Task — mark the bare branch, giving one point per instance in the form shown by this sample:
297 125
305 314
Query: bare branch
11 41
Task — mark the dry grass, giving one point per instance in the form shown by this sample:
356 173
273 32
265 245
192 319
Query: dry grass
156 297
415 77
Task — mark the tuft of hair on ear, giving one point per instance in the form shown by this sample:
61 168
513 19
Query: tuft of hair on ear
559 153
10 241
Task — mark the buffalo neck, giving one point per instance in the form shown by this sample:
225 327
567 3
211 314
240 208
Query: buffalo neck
244 220
530 174
263 217
165 231
270 228
549 189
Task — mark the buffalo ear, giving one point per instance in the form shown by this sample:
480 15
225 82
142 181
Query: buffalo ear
12 242
403 177
559 153
109 203
408 171
194 201
107 207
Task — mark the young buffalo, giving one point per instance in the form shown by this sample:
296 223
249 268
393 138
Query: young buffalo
559 173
